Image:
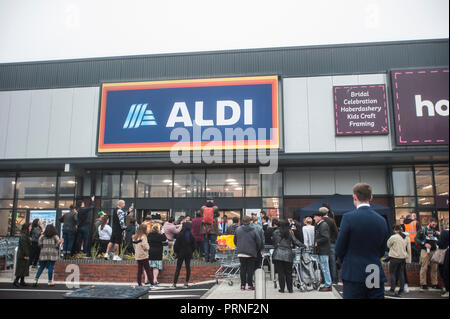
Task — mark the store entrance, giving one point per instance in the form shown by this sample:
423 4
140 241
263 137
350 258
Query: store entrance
158 214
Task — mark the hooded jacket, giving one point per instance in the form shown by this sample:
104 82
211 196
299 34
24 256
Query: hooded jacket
141 248
247 241
400 247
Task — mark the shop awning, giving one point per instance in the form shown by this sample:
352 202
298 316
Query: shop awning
341 204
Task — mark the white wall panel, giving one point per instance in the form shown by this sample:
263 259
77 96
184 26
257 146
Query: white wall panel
18 123
322 182
82 130
4 119
297 182
38 133
94 123
345 180
321 118
377 178
296 118
60 123
329 181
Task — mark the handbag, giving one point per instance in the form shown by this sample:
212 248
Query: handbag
439 256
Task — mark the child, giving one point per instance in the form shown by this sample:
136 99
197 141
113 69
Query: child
141 248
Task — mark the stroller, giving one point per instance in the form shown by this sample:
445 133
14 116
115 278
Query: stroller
307 270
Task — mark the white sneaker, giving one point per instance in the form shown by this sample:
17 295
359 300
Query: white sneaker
117 258
405 288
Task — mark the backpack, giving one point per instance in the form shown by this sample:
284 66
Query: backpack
208 215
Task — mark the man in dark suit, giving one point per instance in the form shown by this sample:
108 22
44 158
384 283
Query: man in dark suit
360 245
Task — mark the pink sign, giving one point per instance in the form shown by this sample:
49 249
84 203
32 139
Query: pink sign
421 106
360 110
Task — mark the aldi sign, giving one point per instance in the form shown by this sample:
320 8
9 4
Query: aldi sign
240 113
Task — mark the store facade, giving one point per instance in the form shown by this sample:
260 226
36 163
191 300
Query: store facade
338 115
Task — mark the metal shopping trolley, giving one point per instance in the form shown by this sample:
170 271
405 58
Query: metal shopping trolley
306 269
229 264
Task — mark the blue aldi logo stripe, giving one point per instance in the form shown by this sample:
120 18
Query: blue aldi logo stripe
139 115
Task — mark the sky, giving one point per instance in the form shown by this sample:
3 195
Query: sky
40 30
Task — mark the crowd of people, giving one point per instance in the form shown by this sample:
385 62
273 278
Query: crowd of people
362 239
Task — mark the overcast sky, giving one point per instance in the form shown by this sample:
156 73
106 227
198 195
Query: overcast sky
36 30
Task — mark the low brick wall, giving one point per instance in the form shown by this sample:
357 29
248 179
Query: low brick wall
413 273
126 271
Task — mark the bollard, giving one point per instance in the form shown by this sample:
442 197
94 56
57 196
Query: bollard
260 284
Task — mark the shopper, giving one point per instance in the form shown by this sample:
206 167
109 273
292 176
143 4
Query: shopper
183 249
95 238
411 227
156 240
223 226
427 238
104 233
129 232
361 243
400 253
23 256
322 248
269 232
331 214
36 232
308 232
118 227
259 230
248 246
84 226
283 240
171 231
70 221
210 229
49 244
443 269
296 228
333 236
196 231
141 249
233 226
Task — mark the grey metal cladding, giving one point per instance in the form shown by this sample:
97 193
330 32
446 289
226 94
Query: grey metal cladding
286 62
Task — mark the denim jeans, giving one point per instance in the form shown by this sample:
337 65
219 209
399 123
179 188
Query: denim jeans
332 262
69 238
45 264
323 262
83 237
208 248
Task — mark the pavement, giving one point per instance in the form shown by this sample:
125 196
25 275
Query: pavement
225 290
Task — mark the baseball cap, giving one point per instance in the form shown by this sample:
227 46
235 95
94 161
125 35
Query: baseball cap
101 213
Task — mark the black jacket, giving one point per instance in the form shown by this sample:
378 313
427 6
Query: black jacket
322 238
156 242
247 241
85 215
283 246
182 247
332 228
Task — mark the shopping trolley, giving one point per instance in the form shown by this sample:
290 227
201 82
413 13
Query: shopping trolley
229 264
306 269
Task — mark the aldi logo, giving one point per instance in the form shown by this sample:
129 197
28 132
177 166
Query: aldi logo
139 116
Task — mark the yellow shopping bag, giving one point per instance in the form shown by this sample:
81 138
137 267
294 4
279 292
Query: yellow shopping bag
226 242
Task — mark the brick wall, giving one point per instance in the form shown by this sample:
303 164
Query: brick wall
127 272
413 274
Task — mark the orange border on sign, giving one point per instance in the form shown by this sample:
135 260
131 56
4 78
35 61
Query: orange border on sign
167 146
